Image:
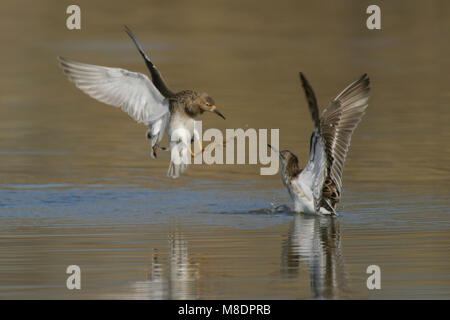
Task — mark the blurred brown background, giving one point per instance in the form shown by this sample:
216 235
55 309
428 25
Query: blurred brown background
77 185
247 55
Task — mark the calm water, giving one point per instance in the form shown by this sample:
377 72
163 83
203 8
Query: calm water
77 185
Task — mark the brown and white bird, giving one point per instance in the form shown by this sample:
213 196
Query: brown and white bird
149 102
317 187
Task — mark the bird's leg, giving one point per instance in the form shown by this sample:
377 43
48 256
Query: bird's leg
190 151
201 149
160 147
223 144
153 152
200 146
153 148
156 147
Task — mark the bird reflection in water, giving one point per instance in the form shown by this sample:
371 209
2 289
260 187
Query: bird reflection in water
175 279
315 241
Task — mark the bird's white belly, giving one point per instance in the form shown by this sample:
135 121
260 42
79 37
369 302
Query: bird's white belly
178 122
303 199
180 132
303 204
307 206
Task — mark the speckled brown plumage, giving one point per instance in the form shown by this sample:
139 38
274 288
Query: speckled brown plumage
189 102
321 179
292 168
330 192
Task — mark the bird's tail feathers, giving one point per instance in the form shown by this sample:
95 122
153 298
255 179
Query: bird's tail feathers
179 160
175 170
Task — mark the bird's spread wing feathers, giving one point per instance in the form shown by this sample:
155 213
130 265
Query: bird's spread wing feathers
312 101
331 139
133 92
315 171
338 122
157 78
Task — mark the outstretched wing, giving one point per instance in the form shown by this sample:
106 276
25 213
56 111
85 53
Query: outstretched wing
313 175
133 92
338 122
157 78
331 139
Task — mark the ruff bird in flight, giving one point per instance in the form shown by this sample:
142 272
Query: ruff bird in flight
149 102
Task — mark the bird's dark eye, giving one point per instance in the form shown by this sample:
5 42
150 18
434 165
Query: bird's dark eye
207 104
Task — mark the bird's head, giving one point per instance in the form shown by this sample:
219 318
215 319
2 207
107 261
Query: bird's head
206 103
289 162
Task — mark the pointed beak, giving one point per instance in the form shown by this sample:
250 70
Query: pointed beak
276 151
214 109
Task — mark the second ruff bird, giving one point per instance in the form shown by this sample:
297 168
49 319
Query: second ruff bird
149 102
317 187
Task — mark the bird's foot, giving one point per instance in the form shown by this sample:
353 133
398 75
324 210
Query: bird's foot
153 152
156 147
